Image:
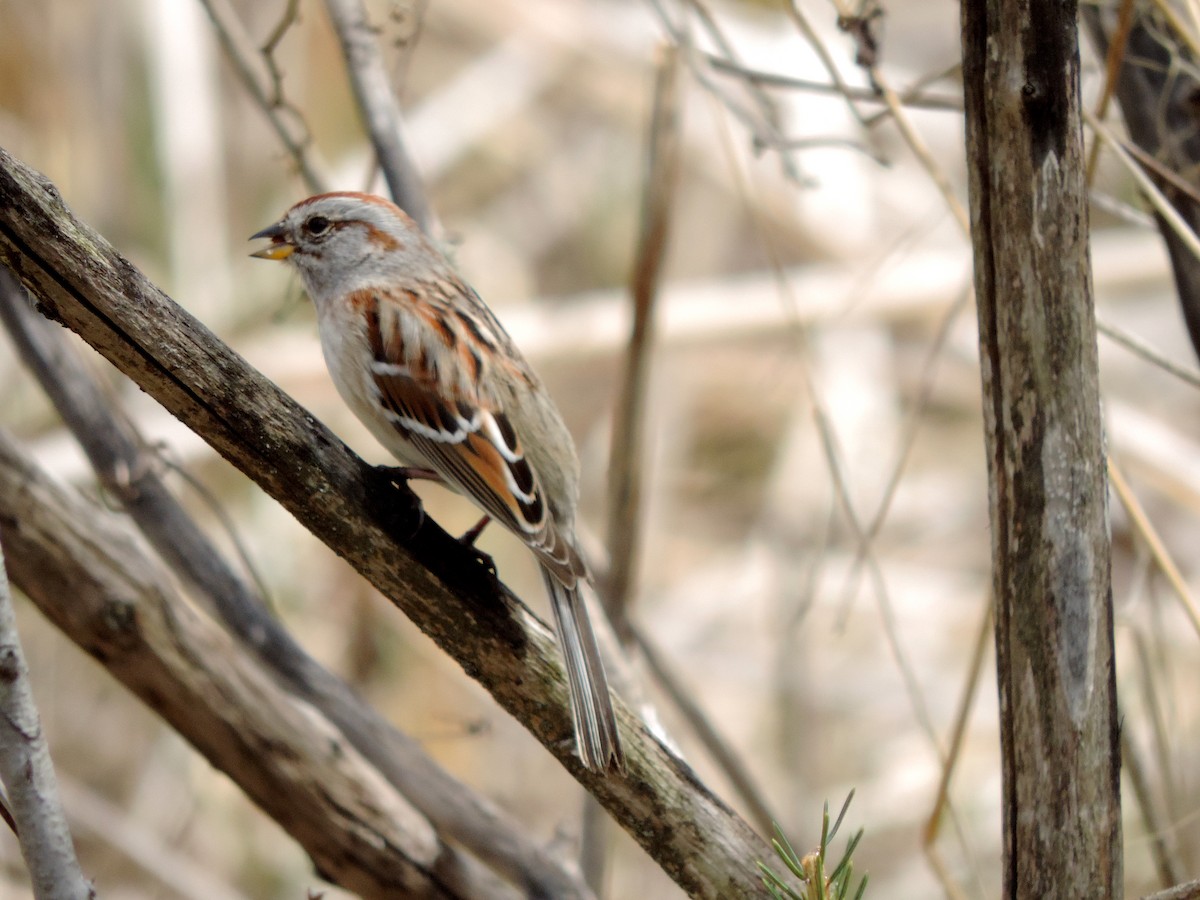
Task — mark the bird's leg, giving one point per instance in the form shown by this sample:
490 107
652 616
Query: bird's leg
468 540
471 535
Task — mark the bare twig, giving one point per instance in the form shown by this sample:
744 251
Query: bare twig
845 503
767 109
625 473
1179 226
1112 75
912 430
811 143
941 803
1158 551
378 106
28 773
911 95
264 82
1171 180
911 98
1147 352
1157 90
129 473
1134 768
762 121
810 34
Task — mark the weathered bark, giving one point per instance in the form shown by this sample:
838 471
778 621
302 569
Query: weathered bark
33 807
1050 546
80 280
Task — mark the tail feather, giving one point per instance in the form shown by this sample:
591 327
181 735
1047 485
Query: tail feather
591 706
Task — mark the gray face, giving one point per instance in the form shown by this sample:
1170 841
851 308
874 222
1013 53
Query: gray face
340 242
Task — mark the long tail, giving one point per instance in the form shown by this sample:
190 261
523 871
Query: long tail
591 706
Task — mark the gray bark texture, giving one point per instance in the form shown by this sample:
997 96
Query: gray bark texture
1049 516
28 774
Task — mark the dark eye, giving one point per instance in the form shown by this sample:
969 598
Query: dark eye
317 226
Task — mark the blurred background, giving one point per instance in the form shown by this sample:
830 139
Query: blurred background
813 379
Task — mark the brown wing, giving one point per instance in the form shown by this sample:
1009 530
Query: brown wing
468 440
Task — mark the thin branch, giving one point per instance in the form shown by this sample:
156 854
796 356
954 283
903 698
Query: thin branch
28 773
814 40
812 143
128 472
379 529
912 98
865 549
1154 195
1169 177
937 174
1112 74
765 104
912 431
958 732
761 123
1134 768
378 107
1158 551
249 63
1157 89
845 503
625 458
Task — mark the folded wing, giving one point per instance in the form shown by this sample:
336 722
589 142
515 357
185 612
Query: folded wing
468 440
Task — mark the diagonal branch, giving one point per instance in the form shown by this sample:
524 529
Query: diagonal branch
81 280
262 80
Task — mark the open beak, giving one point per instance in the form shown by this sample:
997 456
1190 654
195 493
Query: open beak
279 247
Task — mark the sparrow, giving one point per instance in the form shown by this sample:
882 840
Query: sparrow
431 372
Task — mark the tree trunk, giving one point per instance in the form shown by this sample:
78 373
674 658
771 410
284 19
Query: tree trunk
1050 545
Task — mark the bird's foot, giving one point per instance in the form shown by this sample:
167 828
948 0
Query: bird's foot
471 535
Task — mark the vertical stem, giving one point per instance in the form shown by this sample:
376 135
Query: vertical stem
1050 545
625 472
28 774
